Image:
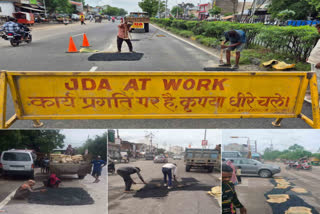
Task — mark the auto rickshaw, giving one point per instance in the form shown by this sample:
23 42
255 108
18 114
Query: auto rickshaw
24 18
98 19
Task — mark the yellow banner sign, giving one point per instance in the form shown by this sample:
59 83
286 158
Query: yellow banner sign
138 25
155 95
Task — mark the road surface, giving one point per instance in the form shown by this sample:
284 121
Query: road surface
167 53
156 199
252 190
97 191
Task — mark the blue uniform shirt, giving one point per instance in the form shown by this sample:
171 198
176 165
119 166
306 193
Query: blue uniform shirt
97 164
241 38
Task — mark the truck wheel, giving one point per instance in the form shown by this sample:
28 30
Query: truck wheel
146 27
81 176
188 168
210 169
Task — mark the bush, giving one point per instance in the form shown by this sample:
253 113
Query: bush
296 42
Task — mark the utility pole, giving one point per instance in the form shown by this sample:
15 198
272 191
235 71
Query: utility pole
159 9
165 16
45 9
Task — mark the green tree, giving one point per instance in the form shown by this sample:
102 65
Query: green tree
176 10
215 11
286 15
302 8
96 146
151 7
39 140
296 147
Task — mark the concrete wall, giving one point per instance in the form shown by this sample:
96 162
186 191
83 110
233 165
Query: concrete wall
6 8
226 5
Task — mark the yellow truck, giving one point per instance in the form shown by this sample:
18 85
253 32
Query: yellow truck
138 20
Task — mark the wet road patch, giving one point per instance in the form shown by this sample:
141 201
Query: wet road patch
156 189
116 57
61 196
293 201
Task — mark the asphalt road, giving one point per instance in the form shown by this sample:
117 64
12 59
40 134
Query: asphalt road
154 198
251 191
96 190
47 53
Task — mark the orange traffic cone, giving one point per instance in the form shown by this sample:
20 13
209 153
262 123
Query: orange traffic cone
85 42
72 46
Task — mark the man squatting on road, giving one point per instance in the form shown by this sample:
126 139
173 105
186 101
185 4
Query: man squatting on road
125 173
123 35
230 201
238 41
25 189
168 170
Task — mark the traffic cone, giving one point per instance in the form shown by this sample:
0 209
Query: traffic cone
85 42
72 46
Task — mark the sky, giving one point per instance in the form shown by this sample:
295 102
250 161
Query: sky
172 137
281 139
132 5
77 137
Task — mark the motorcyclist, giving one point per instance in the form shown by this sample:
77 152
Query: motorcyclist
11 26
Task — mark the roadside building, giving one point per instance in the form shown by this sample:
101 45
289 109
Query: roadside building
204 10
227 6
193 11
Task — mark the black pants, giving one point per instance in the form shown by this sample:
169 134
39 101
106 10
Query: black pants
120 41
239 178
82 23
127 179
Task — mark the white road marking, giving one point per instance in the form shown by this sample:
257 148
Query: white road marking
94 68
185 41
7 199
81 34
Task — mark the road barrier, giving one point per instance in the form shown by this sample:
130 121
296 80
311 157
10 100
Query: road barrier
158 95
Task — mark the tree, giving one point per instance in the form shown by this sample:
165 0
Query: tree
39 140
242 11
176 10
295 147
215 11
114 11
151 6
302 8
96 146
286 15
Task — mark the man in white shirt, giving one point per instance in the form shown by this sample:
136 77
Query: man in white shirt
168 170
314 59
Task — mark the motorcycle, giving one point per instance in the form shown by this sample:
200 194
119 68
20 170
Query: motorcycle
16 38
111 168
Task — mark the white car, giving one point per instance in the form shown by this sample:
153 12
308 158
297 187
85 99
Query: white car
18 162
177 157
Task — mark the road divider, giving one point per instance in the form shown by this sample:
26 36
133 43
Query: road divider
158 95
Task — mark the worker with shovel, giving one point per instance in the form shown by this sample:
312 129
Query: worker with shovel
123 35
237 38
125 173
169 170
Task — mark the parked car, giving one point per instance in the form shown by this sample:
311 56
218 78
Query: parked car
149 156
254 167
18 162
177 157
160 159
231 154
